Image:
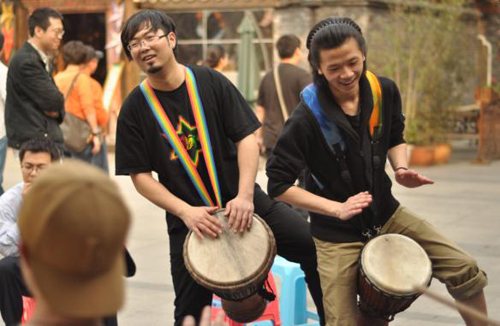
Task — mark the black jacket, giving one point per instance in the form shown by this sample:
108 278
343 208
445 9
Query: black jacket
302 145
30 91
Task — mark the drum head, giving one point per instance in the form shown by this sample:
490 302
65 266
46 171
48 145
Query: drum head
395 264
231 258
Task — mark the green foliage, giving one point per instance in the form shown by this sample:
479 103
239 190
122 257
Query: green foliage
426 49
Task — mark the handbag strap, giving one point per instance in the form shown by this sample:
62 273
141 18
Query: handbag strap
280 93
71 86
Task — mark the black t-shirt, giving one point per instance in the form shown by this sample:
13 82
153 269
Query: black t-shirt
141 145
355 121
293 80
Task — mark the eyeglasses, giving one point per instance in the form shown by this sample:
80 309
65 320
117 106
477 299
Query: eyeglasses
33 167
58 32
147 41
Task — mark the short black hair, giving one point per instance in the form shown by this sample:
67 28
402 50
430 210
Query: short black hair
40 145
152 19
40 17
328 34
2 40
74 53
286 45
214 54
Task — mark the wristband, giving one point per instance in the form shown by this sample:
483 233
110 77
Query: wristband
401 168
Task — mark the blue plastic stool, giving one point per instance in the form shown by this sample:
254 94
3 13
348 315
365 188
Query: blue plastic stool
293 296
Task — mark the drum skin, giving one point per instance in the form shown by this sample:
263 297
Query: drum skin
234 265
390 265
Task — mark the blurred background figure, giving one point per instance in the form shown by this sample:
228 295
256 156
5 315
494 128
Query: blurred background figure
34 107
89 68
217 57
35 155
292 79
79 98
3 95
72 252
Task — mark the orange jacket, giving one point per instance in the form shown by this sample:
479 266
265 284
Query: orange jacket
80 101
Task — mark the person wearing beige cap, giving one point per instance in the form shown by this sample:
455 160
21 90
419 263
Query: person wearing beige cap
72 252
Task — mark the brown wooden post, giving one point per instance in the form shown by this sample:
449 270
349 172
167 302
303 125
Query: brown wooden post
21 32
130 78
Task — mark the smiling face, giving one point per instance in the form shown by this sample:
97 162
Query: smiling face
50 39
154 51
342 67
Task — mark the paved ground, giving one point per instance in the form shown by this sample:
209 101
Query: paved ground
464 204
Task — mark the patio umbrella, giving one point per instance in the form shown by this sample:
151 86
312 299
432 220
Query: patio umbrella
248 68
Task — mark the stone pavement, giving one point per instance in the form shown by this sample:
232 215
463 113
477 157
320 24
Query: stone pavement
464 204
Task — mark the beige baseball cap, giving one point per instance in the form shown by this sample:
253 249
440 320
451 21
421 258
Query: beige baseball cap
73 225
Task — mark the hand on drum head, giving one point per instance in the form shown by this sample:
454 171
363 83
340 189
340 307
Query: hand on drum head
205 319
354 205
411 179
240 212
201 221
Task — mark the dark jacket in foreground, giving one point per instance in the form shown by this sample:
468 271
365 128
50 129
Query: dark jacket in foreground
30 91
302 144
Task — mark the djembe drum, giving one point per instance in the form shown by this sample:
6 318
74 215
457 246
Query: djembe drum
390 266
234 266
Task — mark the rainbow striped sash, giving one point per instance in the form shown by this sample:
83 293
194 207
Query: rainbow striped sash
175 142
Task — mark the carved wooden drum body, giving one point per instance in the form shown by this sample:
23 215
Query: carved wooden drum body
234 265
390 266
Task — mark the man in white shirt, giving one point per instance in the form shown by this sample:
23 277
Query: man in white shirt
34 156
3 95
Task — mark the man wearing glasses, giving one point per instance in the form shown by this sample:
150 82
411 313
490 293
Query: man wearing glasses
35 155
193 128
34 106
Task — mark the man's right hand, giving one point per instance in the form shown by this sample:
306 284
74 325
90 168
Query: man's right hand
354 205
26 187
201 221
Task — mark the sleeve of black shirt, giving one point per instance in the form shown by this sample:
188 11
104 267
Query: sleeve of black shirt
397 117
288 156
238 119
131 150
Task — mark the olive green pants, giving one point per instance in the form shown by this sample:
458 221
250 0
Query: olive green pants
338 267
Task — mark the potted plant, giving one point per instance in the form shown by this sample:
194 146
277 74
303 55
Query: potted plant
425 48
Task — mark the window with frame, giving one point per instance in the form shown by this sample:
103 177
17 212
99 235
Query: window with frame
198 31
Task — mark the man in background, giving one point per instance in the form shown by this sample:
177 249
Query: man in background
34 107
35 155
292 80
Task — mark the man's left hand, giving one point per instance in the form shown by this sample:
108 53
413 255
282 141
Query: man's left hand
240 212
411 179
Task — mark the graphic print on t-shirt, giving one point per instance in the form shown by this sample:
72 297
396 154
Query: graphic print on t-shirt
188 135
